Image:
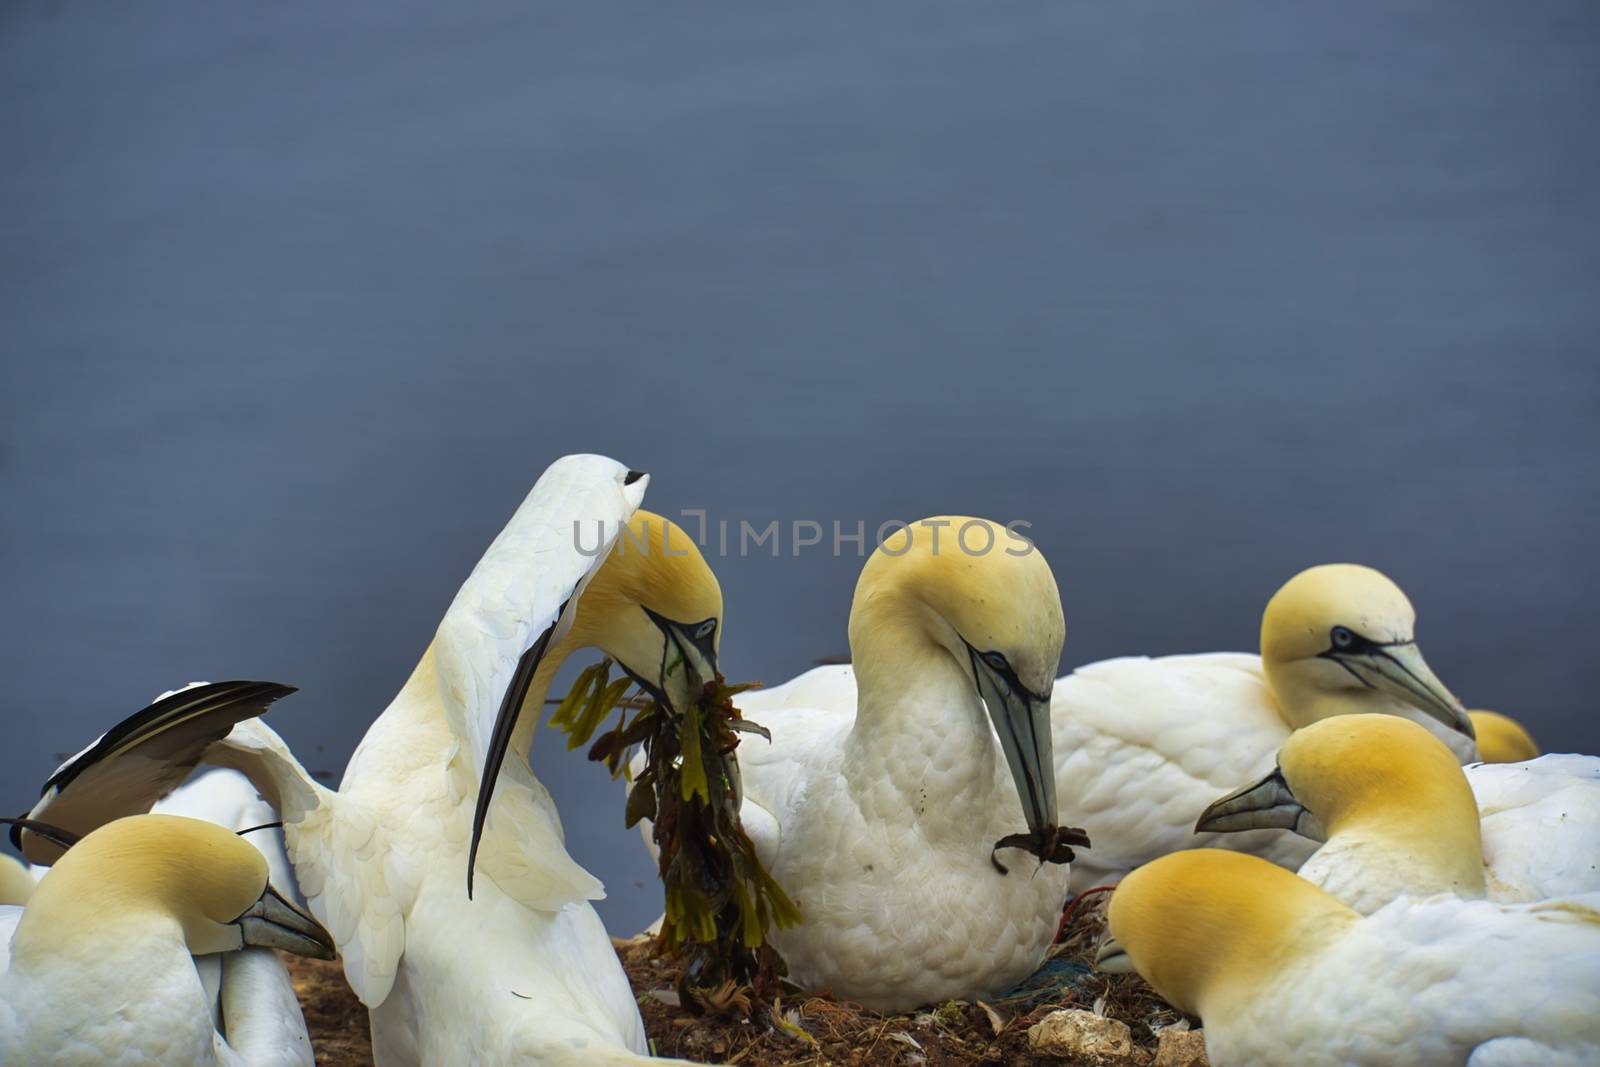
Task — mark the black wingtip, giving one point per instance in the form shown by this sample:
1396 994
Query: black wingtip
500 740
255 697
632 477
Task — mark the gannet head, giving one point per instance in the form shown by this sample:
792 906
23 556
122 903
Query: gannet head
1340 638
16 882
1502 739
655 607
1380 776
212 882
1207 928
997 613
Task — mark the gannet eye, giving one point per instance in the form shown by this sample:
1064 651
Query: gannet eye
705 629
996 660
1343 638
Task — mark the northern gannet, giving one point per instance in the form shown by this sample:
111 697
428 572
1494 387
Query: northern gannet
879 821
1143 745
101 966
1502 739
522 970
1281 972
1397 815
249 990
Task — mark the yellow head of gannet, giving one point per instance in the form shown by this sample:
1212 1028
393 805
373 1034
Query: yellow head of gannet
212 882
1502 739
1377 784
991 602
16 883
1339 639
654 602
1207 928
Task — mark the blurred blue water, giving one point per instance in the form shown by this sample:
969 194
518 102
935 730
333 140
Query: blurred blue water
298 299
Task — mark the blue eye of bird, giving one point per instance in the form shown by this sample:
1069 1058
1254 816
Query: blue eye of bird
705 629
1343 638
996 660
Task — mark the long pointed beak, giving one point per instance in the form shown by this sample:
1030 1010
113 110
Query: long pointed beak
1112 958
273 922
1263 805
688 663
1022 719
1400 671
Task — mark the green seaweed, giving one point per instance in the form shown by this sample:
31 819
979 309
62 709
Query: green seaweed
720 900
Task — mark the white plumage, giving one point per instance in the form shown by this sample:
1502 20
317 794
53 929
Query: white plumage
1541 825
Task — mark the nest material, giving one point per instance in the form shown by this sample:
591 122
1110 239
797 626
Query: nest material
720 900
793 1028
788 1029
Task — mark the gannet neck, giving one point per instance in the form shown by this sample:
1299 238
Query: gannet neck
1209 928
1386 788
70 988
923 617
918 718
1304 695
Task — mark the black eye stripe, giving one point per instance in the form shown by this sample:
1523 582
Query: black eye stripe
1344 641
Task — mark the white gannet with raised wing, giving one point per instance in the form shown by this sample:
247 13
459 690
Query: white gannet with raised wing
1280 971
1142 745
521 970
102 966
1396 815
880 821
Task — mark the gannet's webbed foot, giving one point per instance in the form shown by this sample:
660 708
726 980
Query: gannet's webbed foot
1052 845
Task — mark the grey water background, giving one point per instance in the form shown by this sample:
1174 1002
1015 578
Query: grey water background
298 299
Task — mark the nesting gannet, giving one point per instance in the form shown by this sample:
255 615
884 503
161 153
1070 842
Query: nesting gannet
1281 972
522 970
1397 815
251 996
1143 745
879 820
101 968
1502 739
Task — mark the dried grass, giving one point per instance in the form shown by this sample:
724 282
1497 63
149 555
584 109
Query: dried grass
800 1030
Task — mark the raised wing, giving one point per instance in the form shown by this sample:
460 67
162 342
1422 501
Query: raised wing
515 606
141 759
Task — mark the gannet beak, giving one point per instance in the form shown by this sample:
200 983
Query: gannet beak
1110 958
1263 805
273 922
1022 719
1399 670
688 662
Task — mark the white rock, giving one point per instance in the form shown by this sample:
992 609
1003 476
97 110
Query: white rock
1081 1035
